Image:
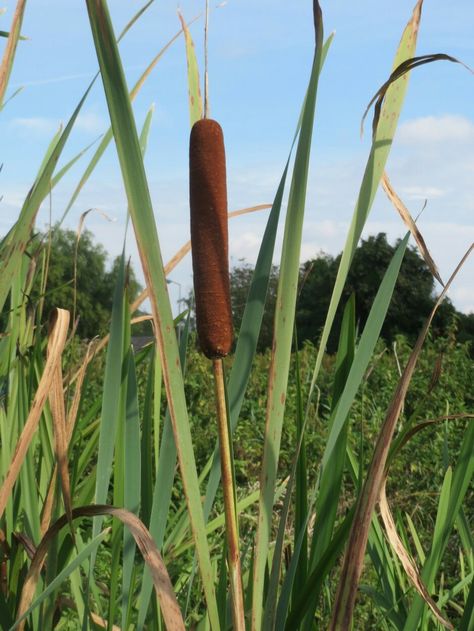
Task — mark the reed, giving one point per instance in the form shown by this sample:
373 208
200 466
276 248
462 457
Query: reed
209 243
69 445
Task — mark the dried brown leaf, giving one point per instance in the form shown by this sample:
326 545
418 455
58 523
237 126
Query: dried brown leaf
142 318
163 587
406 559
58 413
429 422
48 504
70 423
357 543
405 67
56 342
26 543
411 225
76 400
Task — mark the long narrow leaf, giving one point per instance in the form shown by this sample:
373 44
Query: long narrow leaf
104 143
111 393
353 560
378 156
10 50
283 328
141 211
163 490
195 99
132 474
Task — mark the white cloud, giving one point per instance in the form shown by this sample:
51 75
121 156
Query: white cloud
243 246
37 125
49 80
464 294
422 192
449 128
89 122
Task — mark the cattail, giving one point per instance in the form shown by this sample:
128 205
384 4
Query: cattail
209 238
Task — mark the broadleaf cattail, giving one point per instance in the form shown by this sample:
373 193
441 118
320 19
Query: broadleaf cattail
209 238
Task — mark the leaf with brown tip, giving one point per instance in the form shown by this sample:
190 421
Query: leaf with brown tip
195 100
10 50
401 70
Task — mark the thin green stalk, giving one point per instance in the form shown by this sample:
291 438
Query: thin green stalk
228 488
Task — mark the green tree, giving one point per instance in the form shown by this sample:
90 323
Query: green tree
240 280
317 280
412 301
78 278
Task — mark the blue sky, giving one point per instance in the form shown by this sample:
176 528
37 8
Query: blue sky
259 61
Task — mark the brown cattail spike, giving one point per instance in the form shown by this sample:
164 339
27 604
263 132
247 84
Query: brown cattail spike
209 238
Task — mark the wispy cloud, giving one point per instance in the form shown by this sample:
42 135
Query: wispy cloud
436 129
67 77
50 80
464 294
37 125
422 192
89 122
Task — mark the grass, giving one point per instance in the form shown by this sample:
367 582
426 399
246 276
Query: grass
118 437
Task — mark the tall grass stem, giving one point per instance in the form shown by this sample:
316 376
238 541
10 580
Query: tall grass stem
232 536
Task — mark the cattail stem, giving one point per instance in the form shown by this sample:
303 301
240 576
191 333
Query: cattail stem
233 554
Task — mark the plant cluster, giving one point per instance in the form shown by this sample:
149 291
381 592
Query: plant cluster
349 473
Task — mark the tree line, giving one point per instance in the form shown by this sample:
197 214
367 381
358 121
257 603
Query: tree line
413 298
78 274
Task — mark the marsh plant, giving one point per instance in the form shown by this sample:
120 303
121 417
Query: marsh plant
108 521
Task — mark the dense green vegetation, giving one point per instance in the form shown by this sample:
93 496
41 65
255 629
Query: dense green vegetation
79 279
413 297
442 385
351 474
